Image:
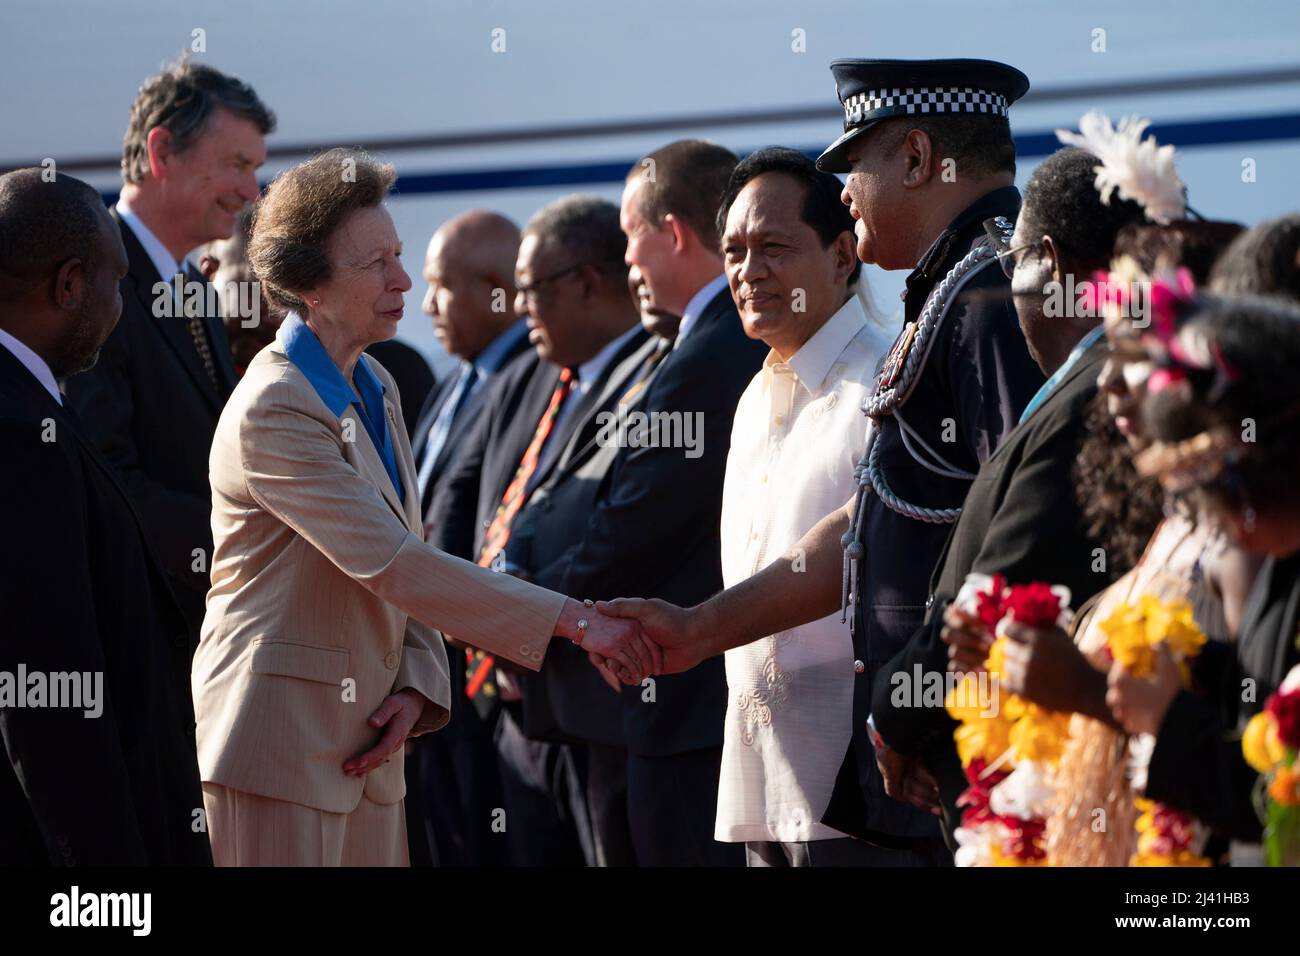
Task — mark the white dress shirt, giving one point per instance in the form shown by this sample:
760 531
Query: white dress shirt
33 363
693 308
162 260
797 435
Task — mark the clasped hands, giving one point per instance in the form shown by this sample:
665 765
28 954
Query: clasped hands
630 639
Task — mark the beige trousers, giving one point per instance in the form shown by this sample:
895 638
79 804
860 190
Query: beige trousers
248 830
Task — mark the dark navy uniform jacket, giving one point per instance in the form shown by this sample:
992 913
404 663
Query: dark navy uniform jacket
977 380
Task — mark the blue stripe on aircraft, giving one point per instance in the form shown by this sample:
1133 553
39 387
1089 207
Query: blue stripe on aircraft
1192 133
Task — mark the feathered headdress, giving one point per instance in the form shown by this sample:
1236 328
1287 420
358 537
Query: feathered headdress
1139 169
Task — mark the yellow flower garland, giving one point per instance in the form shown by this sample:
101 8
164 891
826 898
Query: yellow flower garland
1133 632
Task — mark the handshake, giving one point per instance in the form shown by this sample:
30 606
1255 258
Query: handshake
630 639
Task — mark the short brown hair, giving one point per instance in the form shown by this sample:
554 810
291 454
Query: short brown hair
300 211
182 99
690 176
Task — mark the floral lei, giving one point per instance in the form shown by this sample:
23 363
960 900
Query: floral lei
1133 632
1007 755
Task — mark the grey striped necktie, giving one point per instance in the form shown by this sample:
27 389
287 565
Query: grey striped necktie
200 336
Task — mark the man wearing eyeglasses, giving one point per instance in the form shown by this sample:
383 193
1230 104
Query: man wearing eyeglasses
571 289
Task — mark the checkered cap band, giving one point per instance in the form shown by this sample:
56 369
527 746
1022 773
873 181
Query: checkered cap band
945 99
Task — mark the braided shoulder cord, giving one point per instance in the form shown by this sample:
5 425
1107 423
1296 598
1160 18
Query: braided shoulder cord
868 473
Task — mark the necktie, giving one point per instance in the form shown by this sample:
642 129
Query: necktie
201 345
660 353
478 669
442 424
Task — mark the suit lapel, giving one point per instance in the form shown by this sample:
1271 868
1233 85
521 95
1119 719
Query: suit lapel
582 426
405 466
532 406
66 419
584 438
367 459
173 329
1087 364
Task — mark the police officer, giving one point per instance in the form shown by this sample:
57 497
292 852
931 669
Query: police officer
929 156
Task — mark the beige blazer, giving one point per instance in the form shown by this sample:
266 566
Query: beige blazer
325 597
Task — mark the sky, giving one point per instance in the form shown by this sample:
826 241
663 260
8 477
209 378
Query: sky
348 73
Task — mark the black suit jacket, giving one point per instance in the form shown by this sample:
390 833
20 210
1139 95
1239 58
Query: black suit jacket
151 410
84 593
1020 519
461 425
410 372
488 454
567 701
491 453
655 531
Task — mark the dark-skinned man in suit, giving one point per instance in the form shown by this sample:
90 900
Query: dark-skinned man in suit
469 266
111 780
570 701
571 284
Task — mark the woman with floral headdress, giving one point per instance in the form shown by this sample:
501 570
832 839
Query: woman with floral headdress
1224 420
1092 773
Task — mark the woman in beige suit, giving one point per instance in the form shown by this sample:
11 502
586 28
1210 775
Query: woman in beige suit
318 655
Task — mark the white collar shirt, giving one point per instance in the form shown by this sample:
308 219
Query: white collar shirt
697 304
798 432
33 363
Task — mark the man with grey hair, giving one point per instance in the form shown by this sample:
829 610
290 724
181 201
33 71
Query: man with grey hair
540 417
193 144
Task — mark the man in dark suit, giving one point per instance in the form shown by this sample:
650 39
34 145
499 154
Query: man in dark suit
655 531
107 775
150 405
470 267
570 701
572 286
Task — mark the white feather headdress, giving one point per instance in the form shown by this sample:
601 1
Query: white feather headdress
1139 169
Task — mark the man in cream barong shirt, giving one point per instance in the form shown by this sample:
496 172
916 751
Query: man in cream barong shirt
798 432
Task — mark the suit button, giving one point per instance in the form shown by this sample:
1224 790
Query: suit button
487 522
929 602
859 667
537 655
391 662
525 651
